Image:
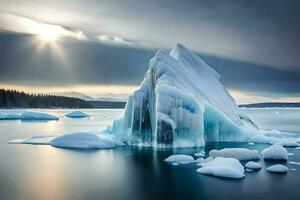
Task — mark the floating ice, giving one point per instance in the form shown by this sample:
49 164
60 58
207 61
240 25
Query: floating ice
294 163
37 116
238 153
253 165
200 154
278 168
222 167
77 114
181 103
275 152
11 116
84 140
288 142
180 158
198 160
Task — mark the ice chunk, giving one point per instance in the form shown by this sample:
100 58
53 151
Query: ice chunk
85 140
297 148
37 139
37 116
275 152
238 153
251 143
287 142
77 114
200 154
180 158
278 168
253 165
294 163
181 103
222 167
198 160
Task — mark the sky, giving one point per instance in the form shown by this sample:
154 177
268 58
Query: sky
102 48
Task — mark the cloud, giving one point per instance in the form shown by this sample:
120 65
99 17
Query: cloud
14 23
113 40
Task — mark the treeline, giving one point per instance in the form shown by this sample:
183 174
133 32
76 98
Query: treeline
16 99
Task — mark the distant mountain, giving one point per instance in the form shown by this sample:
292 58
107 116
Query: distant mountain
271 105
89 98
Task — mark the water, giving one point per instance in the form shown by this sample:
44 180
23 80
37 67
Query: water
44 172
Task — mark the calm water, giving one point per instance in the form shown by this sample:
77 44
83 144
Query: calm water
45 172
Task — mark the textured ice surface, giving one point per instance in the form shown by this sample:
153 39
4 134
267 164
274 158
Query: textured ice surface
222 167
238 153
180 158
77 114
253 165
278 168
181 103
275 152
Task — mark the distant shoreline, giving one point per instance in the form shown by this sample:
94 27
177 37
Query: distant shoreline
271 105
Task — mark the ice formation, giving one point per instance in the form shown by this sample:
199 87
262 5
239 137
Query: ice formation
275 152
200 154
238 153
77 114
253 165
222 167
181 103
278 168
180 158
28 116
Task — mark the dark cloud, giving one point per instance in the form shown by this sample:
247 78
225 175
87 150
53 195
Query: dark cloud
93 63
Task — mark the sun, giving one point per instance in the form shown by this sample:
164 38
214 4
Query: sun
49 33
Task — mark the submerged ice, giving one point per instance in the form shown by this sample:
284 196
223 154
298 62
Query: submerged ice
181 103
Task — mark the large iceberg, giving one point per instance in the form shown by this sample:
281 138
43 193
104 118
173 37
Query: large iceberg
181 103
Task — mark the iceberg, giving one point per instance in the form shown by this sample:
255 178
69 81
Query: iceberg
37 116
10 116
222 167
275 152
238 153
180 159
253 165
77 114
278 168
181 103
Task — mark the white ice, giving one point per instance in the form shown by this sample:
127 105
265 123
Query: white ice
238 153
200 154
180 158
28 116
181 103
278 168
275 152
222 167
77 114
253 165
294 163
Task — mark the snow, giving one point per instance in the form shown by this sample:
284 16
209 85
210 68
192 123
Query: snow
77 114
222 167
275 152
278 168
181 103
37 116
253 165
85 140
238 153
180 158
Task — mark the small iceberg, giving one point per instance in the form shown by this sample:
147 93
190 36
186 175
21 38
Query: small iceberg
180 158
200 154
288 142
28 116
275 152
253 165
278 168
81 140
77 114
238 153
222 167
11 116
294 163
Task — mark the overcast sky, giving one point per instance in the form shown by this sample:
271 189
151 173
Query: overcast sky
104 46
